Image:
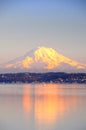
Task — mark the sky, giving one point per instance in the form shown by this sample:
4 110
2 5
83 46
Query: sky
59 24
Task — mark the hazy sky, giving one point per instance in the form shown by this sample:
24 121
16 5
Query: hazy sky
60 24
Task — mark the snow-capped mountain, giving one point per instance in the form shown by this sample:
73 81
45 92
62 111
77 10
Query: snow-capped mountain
43 59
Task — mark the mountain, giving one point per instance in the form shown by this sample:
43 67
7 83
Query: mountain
42 59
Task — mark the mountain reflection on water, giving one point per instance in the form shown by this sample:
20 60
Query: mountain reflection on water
43 107
50 102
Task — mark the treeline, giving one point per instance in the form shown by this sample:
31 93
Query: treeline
58 77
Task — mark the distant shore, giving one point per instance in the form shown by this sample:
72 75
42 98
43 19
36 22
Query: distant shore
51 77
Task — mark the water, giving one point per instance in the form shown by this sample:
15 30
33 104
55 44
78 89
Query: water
42 107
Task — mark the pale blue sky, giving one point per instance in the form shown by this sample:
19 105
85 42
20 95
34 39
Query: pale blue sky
60 24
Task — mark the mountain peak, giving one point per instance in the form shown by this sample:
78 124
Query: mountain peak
43 59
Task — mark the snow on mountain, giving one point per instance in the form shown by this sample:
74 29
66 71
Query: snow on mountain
42 59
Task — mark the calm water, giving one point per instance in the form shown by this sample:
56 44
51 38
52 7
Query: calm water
42 107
